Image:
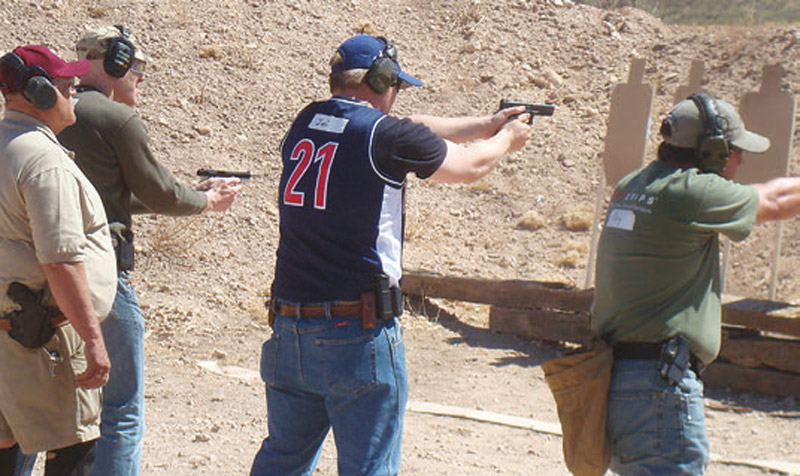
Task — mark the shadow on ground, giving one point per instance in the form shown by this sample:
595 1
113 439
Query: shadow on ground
530 353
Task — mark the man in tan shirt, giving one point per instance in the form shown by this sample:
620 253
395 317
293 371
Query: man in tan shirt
55 241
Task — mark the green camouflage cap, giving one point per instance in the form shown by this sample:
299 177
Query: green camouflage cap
687 127
94 43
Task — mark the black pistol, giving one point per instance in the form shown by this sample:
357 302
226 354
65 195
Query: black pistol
532 108
225 173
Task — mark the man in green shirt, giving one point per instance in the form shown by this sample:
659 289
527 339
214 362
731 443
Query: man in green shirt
111 147
657 294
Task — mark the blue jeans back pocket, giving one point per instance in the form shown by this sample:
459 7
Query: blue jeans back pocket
348 363
634 425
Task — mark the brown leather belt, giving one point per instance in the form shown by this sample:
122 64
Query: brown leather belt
342 309
58 321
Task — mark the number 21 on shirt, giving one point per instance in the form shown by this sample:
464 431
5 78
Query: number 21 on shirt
305 155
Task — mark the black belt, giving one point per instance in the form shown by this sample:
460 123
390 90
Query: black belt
648 351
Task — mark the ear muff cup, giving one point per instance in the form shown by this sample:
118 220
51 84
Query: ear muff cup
119 56
384 70
382 74
35 85
713 149
40 92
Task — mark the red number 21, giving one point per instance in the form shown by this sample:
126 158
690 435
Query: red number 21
303 152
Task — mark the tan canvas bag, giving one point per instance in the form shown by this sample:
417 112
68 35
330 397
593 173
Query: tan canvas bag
579 383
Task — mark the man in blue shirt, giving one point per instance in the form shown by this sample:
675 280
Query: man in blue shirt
336 356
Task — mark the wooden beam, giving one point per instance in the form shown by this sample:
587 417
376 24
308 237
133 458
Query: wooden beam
763 381
513 293
767 316
758 314
749 349
541 324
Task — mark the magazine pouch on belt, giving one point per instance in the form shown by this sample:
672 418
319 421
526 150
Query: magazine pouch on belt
32 325
579 384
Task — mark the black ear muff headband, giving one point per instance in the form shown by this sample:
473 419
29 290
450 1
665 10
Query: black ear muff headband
713 149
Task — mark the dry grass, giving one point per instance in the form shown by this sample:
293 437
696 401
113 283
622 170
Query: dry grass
532 221
575 253
214 52
172 237
578 218
98 11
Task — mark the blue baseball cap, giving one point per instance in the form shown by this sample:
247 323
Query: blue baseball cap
361 51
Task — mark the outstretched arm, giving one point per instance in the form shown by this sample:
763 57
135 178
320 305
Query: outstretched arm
778 199
469 163
466 129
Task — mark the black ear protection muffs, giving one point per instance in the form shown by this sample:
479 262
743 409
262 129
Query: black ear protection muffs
35 85
119 54
714 147
383 73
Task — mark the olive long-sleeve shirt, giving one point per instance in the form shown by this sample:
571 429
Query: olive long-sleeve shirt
111 146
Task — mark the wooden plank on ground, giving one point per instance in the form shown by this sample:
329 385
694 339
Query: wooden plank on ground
763 381
511 293
769 316
541 324
484 416
753 350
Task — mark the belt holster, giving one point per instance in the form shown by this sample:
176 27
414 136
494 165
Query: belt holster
32 325
384 303
122 238
675 357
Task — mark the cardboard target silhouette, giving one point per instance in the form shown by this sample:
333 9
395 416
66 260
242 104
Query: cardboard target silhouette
770 112
626 140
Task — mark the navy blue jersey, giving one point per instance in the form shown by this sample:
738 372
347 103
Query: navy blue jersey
341 198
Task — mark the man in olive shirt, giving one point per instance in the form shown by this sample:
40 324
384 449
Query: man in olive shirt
110 142
55 241
657 294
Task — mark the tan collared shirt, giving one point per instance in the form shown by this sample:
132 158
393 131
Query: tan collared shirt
49 213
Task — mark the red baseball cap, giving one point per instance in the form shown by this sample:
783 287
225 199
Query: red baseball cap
43 57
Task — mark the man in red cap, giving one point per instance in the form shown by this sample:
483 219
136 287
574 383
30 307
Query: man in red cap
57 272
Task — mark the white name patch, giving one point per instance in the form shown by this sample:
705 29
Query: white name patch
621 218
326 123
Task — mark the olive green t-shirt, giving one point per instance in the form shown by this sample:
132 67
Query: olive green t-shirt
111 147
658 258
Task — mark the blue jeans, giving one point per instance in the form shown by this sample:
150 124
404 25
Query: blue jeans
25 464
119 448
330 373
655 428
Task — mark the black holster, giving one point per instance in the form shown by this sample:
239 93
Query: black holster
122 238
388 299
381 304
674 359
32 325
